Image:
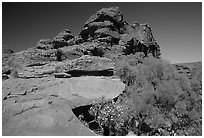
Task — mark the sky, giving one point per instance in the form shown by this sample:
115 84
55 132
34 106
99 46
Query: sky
176 27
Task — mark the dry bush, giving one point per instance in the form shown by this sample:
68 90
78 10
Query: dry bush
157 101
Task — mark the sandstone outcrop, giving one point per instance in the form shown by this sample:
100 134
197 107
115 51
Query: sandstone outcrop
43 83
112 14
42 106
107 25
61 39
44 44
88 63
105 34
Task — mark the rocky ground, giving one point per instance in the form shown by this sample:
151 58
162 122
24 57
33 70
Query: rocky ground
41 85
43 106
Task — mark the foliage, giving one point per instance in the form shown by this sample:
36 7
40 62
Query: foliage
157 100
111 117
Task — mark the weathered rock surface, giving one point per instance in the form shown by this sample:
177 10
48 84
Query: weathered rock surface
74 41
43 106
38 93
107 25
140 39
105 34
61 39
87 63
112 14
44 44
87 66
66 35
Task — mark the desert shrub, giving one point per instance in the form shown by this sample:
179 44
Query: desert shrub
59 54
157 100
126 67
112 117
14 66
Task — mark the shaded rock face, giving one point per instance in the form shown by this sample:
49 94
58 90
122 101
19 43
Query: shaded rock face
61 39
107 25
87 65
139 38
104 23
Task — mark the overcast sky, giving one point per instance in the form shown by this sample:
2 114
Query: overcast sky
177 27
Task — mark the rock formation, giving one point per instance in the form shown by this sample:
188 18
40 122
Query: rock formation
43 83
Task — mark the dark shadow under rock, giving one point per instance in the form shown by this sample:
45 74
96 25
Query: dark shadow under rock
83 110
77 73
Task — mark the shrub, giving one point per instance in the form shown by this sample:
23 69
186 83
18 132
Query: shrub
113 118
157 100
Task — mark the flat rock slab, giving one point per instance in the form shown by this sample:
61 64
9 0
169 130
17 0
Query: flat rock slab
54 118
42 106
90 87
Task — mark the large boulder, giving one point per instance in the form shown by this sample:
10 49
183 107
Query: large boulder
61 39
109 18
75 41
107 25
139 38
105 32
69 53
59 42
65 34
92 27
93 48
44 44
112 14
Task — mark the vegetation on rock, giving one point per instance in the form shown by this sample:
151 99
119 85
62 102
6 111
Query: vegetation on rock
157 100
